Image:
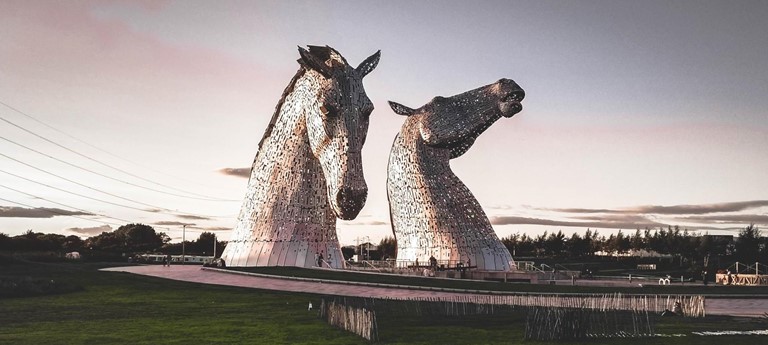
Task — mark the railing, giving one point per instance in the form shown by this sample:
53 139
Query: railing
743 274
380 265
377 265
756 268
371 265
531 266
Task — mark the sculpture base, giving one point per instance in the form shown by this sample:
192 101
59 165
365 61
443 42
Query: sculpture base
286 253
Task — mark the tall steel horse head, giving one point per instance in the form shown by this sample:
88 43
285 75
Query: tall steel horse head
308 170
433 213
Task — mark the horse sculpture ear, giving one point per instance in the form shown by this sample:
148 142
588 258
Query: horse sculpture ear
401 109
368 64
310 61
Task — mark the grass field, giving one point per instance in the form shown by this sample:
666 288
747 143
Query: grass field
98 307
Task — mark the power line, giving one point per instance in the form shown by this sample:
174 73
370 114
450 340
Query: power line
91 145
98 190
80 184
102 175
60 213
93 159
73 193
65 205
100 200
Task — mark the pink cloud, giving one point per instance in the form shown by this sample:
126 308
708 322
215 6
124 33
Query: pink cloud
63 41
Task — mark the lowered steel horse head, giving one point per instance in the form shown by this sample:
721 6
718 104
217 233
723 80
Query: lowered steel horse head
433 213
308 170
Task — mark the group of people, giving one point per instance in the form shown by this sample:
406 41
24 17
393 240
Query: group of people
433 263
730 279
319 258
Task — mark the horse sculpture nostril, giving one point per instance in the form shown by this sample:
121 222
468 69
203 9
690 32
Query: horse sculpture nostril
514 96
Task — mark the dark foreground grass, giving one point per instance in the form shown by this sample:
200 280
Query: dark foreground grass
119 308
754 291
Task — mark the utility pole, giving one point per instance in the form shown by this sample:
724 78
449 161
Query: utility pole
183 244
360 255
214 246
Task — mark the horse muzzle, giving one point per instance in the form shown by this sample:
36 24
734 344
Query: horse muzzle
349 202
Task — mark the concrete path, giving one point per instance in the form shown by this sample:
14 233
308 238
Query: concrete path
714 306
195 274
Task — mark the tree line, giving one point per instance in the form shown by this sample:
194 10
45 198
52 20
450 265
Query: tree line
748 247
124 241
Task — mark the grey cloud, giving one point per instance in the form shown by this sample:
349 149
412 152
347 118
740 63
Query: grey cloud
172 223
217 228
596 223
672 210
91 231
583 210
40 212
731 218
510 207
153 210
238 172
192 217
500 207
616 218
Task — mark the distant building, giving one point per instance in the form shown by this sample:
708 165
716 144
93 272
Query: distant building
720 238
641 253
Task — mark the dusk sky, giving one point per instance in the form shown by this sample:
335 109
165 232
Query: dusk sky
637 113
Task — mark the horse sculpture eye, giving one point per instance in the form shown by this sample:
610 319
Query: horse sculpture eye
328 110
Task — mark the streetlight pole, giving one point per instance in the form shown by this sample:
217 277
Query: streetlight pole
183 242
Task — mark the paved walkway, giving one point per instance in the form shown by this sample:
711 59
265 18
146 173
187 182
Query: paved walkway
714 306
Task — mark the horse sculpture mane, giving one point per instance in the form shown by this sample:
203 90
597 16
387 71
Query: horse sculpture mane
433 214
308 168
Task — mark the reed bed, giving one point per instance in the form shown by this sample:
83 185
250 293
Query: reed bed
548 317
691 305
554 323
354 315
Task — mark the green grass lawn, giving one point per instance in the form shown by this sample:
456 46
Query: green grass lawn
120 308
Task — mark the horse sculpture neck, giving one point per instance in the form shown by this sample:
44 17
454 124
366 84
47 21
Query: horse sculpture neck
286 204
434 215
308 170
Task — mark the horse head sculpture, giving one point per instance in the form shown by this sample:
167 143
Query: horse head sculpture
308 169
455 122
434 215
337 124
